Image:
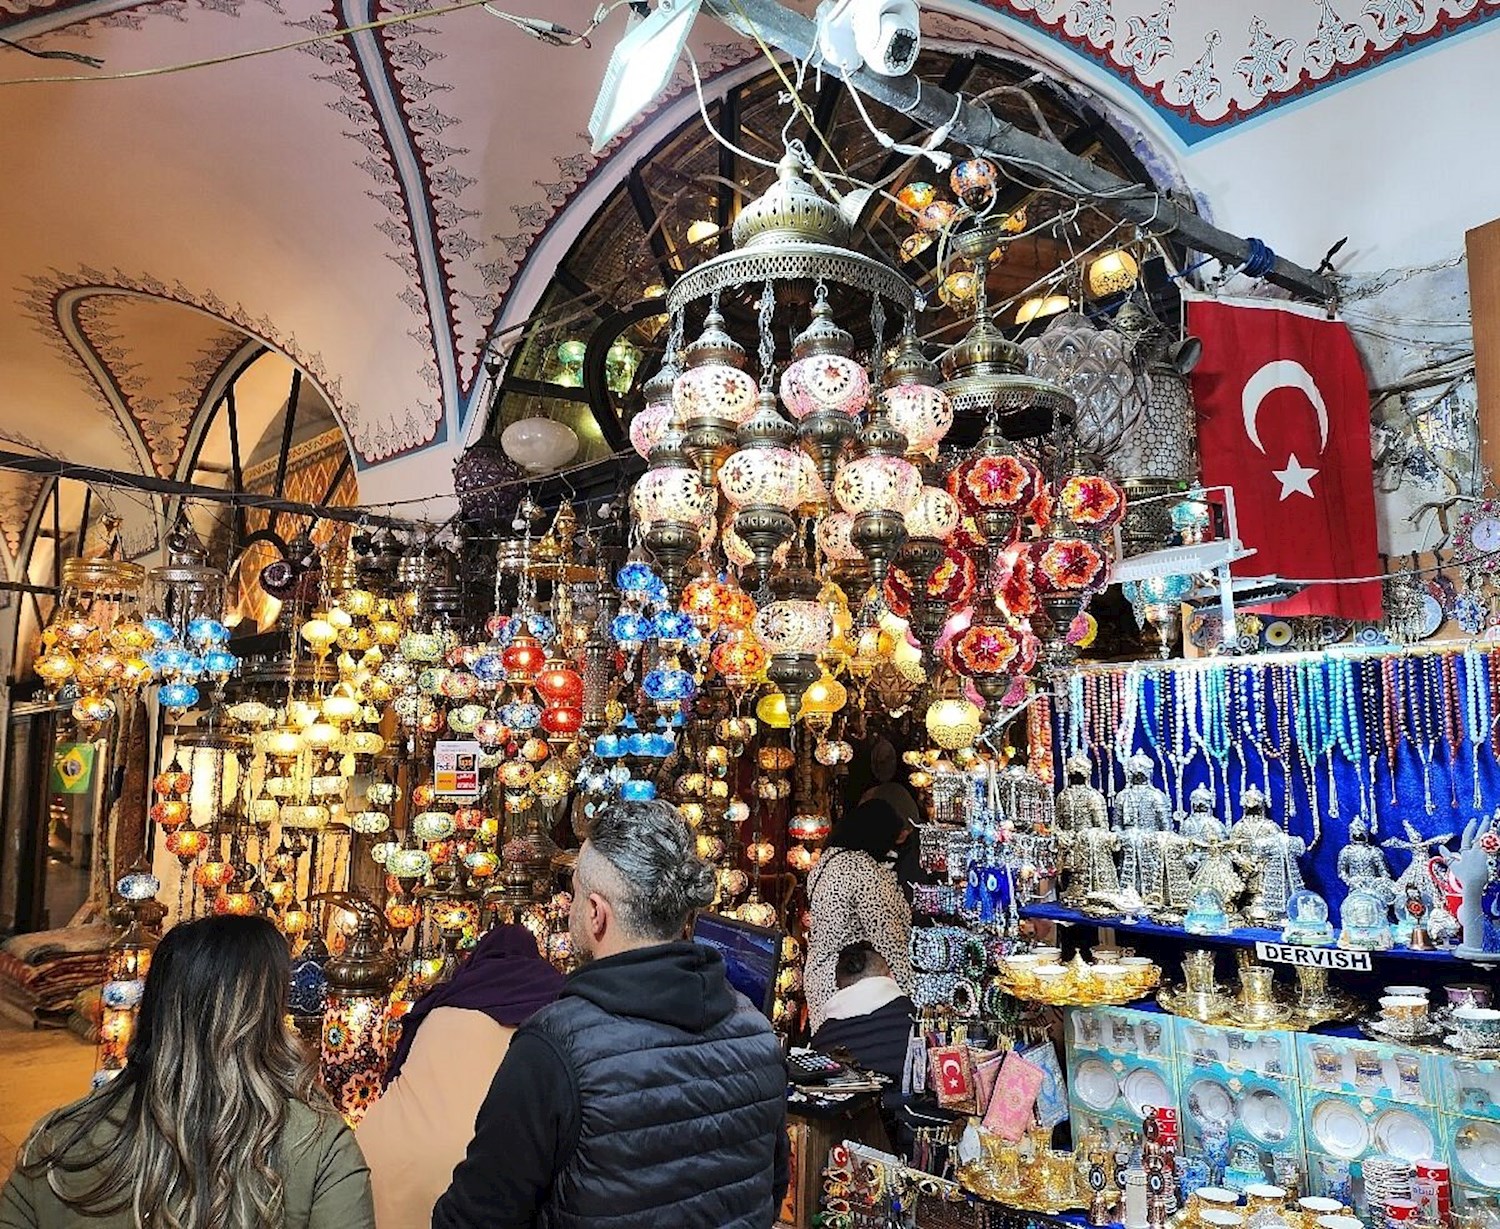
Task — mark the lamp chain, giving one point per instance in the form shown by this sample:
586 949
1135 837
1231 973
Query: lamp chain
767 341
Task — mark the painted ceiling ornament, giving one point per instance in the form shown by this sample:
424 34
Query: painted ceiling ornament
1199 85
1336 41
1147 38
1265 67
1393 18
1090 19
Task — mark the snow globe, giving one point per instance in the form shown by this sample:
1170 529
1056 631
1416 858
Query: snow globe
1307 919
1207 915
1365 920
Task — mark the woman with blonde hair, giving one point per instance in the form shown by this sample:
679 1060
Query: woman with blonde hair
216 1122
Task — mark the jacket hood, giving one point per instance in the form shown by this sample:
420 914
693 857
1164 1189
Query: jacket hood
681 984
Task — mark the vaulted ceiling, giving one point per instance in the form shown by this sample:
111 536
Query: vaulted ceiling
366 205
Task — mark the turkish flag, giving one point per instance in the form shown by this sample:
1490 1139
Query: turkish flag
1284 419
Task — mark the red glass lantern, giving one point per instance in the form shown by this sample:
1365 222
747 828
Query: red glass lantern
1067 565
1016 592
559 684
700 599
214 875
985 649
170 813
737 609
562 720
186 844
1092 502
523 658
968 535
953 581
468 818
809 827
168 783
740 658
1006 482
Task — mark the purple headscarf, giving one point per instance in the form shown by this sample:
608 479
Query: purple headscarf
505 977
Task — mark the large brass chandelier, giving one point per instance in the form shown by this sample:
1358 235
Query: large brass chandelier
822 460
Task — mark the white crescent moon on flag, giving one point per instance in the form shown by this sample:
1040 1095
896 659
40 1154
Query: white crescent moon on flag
1282 373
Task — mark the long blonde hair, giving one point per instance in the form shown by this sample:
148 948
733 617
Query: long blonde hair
189 1135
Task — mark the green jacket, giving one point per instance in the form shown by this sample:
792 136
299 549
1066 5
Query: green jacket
326 1184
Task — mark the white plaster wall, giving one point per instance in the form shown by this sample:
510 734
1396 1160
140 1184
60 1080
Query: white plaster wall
1402 159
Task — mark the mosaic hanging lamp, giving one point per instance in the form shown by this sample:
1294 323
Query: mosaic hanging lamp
1094 366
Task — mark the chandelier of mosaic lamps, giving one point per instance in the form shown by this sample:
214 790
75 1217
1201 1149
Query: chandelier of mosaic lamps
835 467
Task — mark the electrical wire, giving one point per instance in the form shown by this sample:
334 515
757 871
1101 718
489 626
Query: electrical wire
533 26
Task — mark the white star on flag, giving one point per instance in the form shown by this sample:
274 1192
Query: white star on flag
1296 478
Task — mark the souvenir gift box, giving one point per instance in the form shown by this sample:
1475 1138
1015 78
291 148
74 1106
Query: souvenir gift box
1477 1081
1368 1069
1120 1063
1121 1030
1271 1053
1351 1129
1241 1108
1472 1150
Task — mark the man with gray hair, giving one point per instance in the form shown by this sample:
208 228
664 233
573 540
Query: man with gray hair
650 1094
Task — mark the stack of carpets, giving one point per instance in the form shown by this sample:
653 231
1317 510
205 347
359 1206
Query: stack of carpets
42 973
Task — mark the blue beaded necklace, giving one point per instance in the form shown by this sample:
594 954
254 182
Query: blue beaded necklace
1215 738
1479 720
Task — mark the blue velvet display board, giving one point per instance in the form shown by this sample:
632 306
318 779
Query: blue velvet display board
1424 692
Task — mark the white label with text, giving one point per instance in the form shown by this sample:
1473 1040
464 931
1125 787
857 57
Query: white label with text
1313 957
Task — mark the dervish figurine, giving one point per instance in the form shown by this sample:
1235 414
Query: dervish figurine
1142 814
1418 875
1273 874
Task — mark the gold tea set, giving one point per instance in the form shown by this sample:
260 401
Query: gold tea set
1028 1175
1114 977
1259 1003
1212 1207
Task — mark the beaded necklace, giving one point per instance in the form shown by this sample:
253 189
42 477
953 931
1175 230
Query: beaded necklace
1448 668
1258 722
1281 694
1369 692
1348 729
1393 718
1217 738
1243 720
1478 716
1421 695
1129 713
1184 702
1322 738
1077 739
1153 718
1494 677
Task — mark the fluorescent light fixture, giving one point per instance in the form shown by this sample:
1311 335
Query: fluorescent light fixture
640 68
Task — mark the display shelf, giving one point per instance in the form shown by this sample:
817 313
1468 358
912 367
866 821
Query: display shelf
1245 936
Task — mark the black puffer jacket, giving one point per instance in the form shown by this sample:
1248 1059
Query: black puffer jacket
650 1094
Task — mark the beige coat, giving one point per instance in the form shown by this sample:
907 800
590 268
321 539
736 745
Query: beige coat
420 1128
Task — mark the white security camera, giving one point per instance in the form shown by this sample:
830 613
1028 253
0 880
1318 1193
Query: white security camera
885 35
